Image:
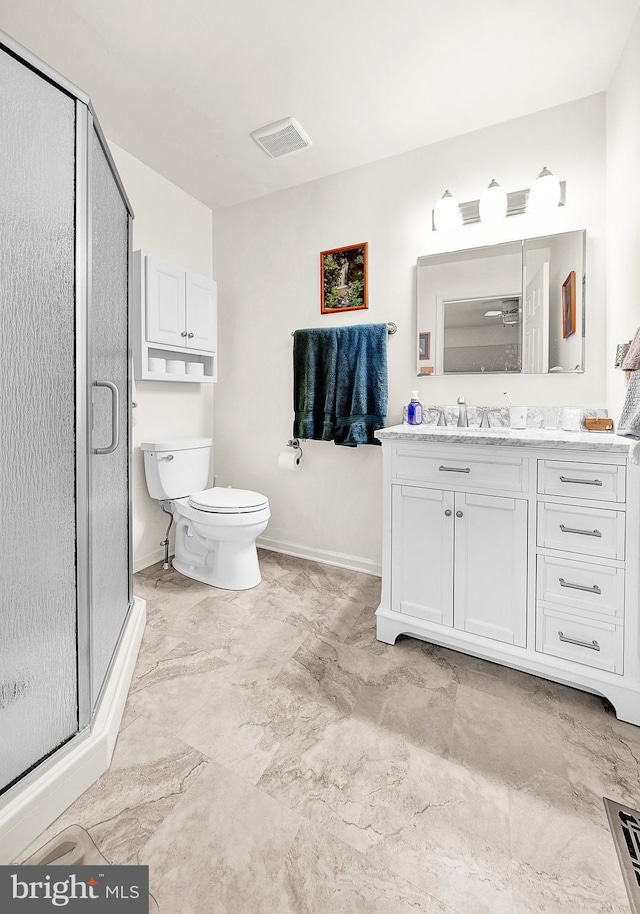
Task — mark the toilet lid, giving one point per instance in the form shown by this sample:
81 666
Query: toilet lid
228 501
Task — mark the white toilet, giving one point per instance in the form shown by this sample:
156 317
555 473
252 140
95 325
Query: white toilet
216 528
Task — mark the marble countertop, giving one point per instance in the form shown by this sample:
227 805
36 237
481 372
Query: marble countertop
508 437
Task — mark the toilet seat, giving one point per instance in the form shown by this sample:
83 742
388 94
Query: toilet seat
228 501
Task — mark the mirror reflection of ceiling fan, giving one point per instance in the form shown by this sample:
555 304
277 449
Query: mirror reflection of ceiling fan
510 312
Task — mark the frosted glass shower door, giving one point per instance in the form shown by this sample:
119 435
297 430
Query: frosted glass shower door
38 659
109 580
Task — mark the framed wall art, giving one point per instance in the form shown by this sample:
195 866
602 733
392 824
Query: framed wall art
569 305
343 279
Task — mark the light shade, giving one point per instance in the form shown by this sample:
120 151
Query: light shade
446 213
493 203
544 195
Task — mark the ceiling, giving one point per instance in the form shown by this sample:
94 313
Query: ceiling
472 312
181 85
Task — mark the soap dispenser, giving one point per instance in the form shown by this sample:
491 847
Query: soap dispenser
414 410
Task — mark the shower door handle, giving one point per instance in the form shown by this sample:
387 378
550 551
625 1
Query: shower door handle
115 417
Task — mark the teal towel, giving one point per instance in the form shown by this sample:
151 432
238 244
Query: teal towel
315 360
340 383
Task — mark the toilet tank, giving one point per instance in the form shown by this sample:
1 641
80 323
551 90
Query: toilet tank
176 467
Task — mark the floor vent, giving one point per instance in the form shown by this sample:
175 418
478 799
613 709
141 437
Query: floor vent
625 828
75 847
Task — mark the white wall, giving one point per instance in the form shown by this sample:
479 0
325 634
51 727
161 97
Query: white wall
170 223
267 267
623 210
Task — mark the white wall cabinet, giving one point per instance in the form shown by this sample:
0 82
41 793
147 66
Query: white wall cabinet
176 320
528 558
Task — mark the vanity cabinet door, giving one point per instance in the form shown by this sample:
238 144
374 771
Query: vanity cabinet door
491 567
422 553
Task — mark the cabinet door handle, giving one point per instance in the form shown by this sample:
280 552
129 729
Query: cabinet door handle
459 514
448 512
184 333
592 645
454 469
582 482
594 589
581 532
190 335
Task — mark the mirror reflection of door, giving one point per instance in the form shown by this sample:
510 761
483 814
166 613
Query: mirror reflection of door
535 324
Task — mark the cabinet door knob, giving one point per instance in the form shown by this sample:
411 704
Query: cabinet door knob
458 513
190 335
447 513
184 333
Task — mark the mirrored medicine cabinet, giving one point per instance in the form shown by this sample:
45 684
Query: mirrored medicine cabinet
512 308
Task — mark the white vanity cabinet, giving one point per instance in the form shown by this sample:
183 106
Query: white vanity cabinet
441 570
519 547
176 320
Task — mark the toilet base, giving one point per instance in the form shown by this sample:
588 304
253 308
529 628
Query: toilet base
218 550
231 568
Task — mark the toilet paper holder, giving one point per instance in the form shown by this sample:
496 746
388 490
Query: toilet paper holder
294 443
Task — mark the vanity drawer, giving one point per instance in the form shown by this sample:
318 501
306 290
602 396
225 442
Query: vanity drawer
593 642
586 531
596 481
447 469
579 586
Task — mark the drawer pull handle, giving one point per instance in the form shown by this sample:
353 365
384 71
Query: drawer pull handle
582 482
454 469
582 532
592 645
594 589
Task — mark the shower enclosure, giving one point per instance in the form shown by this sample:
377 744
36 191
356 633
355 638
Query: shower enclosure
65 580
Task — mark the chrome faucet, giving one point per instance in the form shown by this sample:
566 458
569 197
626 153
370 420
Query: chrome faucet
485 423
441 416
463 420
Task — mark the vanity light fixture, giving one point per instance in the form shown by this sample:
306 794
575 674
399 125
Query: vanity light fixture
493 203
446 214
544 195
547 193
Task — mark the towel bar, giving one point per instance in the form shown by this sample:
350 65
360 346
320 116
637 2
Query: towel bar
391 328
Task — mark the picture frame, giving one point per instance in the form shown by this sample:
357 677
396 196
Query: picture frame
424 346
569 305
343 279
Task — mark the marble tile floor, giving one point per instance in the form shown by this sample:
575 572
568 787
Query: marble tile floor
274 758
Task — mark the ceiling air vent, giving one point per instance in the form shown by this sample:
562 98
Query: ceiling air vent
281 138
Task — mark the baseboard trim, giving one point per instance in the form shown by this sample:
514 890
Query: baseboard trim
144 561
36 801
339 559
